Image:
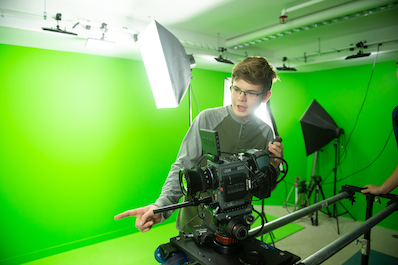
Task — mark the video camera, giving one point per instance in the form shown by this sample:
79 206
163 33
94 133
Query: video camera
231 181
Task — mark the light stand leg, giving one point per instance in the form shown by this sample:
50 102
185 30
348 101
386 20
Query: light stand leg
335 186
318 188
271 233
316 184
303 197
295 188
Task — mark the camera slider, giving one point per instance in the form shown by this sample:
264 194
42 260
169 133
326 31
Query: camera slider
253 252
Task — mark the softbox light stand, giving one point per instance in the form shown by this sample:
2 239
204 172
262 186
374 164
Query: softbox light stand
315 185
319 129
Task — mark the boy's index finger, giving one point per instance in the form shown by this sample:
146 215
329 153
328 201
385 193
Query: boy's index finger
129 213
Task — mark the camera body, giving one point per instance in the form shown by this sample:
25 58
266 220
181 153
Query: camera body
231 182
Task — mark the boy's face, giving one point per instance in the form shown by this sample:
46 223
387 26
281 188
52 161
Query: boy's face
245 104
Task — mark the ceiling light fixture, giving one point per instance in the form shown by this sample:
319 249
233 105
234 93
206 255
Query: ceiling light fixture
57 29
222 50
284 68
315 25
283 17
360 45
101 43
220 58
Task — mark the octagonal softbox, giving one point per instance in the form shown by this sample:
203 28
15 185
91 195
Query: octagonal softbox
318 128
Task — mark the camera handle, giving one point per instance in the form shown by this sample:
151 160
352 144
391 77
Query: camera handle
194 202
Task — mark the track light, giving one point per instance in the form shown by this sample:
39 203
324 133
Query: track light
57 29
360 54
220 58
284 68
360 45
101 43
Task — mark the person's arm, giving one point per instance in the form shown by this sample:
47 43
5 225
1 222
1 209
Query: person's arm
188 155
389 184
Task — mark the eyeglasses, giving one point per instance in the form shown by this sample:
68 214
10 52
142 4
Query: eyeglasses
248 94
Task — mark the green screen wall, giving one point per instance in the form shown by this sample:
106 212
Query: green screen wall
368 149
82 140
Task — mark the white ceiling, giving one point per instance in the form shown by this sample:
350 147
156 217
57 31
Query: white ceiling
204 26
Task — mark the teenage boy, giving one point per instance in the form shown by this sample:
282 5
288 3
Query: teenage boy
238 129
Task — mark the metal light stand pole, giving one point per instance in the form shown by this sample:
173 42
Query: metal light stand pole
335 215
316 184
294 188
190 104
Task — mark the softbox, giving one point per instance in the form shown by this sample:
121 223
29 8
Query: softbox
168 66
318 128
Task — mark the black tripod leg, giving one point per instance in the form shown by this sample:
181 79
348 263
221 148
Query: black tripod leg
266 221
270 233
316 201
346 211
337 218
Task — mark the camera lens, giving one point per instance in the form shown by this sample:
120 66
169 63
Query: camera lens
195 180
183 182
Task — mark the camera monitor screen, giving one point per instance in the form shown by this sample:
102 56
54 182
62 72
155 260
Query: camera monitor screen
210 142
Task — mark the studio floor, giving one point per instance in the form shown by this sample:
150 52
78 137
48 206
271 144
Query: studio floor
138 248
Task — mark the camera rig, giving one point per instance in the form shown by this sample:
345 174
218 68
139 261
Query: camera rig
231 181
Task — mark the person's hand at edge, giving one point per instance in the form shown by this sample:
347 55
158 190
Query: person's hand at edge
373 189
145 217
276 149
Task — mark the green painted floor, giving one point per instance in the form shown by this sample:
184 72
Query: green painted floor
137 248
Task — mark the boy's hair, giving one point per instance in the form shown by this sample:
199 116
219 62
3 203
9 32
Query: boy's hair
255 70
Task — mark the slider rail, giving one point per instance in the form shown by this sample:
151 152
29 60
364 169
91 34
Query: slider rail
343 241
298 214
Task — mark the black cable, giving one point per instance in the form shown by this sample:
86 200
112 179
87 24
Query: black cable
343 178
200 160
363 102
285 172
371 162
323 181
262 224
193 218
203 217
